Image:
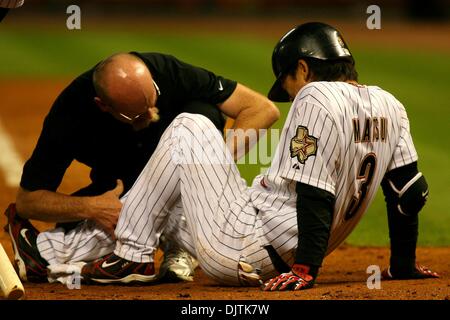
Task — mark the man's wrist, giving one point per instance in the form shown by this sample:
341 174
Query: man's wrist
87 205
305 269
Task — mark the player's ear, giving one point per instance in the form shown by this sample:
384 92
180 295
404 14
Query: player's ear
103 106
303 70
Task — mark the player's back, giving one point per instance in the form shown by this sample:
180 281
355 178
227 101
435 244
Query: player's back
338 137
374 137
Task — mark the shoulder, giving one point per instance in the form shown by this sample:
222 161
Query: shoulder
320 94
390 100
388 95
77 97
323 92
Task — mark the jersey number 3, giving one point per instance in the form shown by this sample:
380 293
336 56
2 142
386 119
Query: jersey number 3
365 175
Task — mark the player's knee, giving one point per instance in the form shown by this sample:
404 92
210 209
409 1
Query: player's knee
406 189
195 122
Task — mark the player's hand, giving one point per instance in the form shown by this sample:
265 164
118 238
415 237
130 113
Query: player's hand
106 208
420 272
293 280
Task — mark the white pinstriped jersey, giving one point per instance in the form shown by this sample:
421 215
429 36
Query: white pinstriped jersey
338 137
11 3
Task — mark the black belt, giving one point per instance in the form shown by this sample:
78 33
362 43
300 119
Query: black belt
278 263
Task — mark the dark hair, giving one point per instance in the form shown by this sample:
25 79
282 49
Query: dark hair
328 70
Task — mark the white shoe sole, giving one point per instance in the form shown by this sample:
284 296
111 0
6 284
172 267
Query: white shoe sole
138 278
20 264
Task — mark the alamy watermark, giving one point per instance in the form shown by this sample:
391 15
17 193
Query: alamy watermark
73 21
374 20
374 280
74 281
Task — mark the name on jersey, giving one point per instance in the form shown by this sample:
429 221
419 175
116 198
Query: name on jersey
374 130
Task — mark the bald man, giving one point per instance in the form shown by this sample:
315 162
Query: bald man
111 119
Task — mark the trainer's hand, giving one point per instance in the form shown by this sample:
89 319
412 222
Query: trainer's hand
105 209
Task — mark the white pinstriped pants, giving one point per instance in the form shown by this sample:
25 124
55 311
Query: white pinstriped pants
192 191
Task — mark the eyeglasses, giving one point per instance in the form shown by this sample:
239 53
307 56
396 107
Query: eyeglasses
133 119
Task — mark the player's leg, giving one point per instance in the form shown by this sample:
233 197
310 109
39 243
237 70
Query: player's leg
84 243
215 200
141 222
193 162
75 241
177 263
219 219
29 264
35 252
190 158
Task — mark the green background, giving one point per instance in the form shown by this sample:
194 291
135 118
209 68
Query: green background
419 79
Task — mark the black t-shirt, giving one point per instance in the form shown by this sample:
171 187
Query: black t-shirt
76 129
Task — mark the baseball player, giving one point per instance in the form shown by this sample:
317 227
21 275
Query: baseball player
5 5
340 141
111 118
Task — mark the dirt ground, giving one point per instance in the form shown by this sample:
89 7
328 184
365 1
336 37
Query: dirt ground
343 275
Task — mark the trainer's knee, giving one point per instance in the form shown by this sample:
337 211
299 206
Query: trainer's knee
406 189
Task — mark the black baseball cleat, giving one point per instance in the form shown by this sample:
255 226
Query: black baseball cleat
420 272
112 269
29 264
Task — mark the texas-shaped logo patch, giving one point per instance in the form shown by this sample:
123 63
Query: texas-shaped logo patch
303 145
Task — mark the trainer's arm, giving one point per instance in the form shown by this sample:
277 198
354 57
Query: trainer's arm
251 111
51 206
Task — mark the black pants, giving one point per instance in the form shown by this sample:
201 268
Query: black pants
3 12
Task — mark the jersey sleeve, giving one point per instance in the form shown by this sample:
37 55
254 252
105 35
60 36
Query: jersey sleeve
405 152
312 147
195 83
51 157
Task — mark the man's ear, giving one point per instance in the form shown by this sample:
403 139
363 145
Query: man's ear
103 106
304 69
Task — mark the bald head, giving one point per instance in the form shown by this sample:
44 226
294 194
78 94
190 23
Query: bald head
125 89
123 82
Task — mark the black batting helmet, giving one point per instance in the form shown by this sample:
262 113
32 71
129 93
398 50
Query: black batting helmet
314 40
